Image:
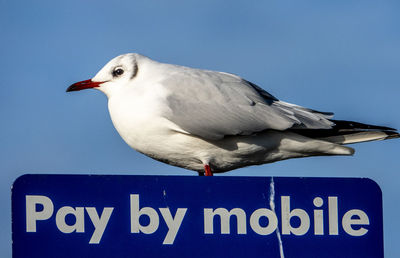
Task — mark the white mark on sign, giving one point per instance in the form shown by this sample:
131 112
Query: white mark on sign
272 206
164 193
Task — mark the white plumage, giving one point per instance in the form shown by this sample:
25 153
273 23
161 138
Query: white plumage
191 118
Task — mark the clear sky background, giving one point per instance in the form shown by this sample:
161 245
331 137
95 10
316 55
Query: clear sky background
340 56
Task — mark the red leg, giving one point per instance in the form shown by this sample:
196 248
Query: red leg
208 170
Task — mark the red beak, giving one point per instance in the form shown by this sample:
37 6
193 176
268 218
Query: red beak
87 84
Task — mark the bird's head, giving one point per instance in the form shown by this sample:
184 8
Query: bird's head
114 76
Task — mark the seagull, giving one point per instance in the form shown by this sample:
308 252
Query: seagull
214 122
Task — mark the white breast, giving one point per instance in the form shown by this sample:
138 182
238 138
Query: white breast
136 116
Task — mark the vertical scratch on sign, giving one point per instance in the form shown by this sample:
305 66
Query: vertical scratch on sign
165 198
272 206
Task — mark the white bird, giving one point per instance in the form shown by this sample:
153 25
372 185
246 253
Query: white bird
214 121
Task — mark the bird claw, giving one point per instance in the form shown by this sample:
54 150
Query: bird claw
207 170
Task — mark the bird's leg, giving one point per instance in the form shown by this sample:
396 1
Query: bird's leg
201 173
207 170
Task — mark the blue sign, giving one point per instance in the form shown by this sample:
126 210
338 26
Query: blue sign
187 216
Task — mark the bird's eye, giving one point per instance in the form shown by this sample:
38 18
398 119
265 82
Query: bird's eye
117 72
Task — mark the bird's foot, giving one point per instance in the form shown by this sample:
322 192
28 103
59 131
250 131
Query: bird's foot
207 170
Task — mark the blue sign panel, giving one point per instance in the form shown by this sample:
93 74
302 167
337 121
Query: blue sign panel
186 216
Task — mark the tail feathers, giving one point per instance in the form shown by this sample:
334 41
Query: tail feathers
355 137
348 132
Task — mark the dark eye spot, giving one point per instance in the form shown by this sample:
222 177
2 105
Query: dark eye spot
117 72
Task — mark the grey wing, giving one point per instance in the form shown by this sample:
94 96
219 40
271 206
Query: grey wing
212 105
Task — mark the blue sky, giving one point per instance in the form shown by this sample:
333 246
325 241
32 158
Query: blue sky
340 56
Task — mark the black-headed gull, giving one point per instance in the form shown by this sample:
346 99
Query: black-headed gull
213 121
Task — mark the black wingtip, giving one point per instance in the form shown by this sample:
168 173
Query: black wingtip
343 125
392 135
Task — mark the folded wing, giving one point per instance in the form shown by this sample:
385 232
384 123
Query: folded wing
212 105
